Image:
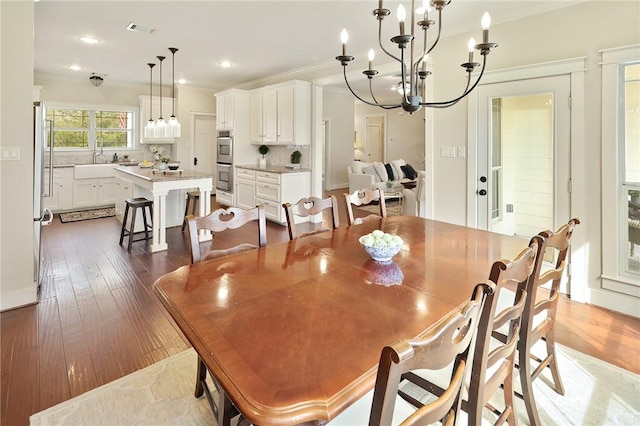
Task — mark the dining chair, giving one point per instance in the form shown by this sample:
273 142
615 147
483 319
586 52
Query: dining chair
221 220
538 318
447 344
362 197
492 361
218 221
310 206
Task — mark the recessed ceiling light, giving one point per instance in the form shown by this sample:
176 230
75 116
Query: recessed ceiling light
75 67
225 64
89 40
182 81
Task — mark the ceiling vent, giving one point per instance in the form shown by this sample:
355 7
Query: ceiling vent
139 28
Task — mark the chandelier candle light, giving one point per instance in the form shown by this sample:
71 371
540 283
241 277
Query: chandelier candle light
412 86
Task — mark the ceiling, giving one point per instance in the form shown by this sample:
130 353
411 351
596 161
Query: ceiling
260 38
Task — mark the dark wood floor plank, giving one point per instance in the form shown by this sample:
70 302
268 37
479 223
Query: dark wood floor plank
8 326
106 366
54 388
80 373
24 395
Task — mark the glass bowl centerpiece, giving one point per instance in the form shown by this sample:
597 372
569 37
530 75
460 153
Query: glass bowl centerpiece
380 245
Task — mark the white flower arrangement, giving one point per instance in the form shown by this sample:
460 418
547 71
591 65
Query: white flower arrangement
157 151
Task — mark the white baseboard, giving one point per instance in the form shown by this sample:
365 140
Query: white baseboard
338 186
18 298
618 302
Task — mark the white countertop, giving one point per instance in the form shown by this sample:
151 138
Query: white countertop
271 169
162 175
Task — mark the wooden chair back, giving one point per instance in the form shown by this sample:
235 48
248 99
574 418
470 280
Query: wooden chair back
310 206
538 318
491 355
362 197
449 343
221 220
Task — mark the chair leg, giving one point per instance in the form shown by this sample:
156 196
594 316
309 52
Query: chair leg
527 385
146 223
553 364
124 223
186 210
509 402
132 229
200 377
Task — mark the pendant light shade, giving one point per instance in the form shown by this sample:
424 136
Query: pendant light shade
174 124
150 128
161 126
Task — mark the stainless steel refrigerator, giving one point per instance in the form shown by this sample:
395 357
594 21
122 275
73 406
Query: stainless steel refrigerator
42 216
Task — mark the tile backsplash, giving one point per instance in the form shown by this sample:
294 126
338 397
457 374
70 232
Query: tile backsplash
62 158
281 155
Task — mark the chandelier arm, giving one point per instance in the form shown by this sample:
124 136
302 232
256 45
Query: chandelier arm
380 42
385 106
404 77
465 93
435 42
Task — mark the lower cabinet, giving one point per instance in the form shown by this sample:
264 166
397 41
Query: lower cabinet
271 190
61 197
93 192
123 189
225 198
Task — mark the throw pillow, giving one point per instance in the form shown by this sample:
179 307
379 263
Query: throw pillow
358 166
409 172
370 170
390 172
397 164
382 171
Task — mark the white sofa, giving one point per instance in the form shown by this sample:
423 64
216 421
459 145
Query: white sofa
360 178
415 199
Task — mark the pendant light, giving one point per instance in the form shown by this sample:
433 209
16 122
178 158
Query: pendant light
161 126
150 128
174 124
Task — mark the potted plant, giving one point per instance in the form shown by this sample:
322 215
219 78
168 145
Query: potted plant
264 150
162 165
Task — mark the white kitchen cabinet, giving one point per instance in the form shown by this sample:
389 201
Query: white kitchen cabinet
145 105
123 189
271 190
225 198
281 114
230 104
245 189
61 198
93 192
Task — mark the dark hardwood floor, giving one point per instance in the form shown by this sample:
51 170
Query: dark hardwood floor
98 319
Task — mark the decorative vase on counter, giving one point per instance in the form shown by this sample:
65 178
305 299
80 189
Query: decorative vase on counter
264 150
262 162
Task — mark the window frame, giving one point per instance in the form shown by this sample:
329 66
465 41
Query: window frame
92 132
614 202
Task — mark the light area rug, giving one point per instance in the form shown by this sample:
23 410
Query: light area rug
87 214
596 393
393 209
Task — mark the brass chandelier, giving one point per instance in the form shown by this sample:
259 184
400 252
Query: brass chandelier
412 86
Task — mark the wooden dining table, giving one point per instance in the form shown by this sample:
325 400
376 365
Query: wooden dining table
293 331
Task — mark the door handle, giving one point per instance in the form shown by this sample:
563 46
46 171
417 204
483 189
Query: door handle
483 179
482 192
195 161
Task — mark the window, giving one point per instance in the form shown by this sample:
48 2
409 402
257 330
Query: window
90 128
621 169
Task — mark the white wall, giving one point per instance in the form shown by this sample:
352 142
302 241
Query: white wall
338 109
404 133
188 101
576 31
17 286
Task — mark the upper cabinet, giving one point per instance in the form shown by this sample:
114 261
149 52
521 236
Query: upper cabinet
281 114
229 105
145 114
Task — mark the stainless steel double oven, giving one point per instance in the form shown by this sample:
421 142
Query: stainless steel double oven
224 160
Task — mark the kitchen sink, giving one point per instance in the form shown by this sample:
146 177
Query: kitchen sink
94 171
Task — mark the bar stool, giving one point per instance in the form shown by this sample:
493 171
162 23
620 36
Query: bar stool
191 196
135 204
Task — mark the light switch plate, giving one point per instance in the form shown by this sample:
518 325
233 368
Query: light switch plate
462 151
448 151
10 153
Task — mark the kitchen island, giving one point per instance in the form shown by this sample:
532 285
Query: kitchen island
160 183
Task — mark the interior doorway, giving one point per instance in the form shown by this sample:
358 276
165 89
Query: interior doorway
374 138
204 139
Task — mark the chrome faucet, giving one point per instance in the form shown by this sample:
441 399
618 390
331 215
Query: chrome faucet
95 152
